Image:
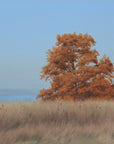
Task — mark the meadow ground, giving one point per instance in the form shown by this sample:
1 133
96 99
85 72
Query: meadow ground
87 122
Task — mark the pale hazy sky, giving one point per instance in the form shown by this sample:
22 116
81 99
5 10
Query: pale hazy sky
28 28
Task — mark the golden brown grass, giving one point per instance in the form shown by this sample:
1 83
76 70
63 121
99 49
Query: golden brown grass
87 122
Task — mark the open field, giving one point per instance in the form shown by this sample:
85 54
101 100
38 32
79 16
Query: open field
88 122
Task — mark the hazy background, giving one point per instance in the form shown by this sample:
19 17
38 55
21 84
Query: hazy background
28 28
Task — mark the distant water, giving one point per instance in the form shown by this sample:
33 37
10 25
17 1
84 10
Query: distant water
17 98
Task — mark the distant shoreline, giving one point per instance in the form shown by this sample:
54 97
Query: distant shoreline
19 98
18 92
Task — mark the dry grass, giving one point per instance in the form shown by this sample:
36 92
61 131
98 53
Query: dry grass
57 123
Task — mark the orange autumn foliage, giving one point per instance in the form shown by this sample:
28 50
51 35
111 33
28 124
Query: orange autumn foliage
75 72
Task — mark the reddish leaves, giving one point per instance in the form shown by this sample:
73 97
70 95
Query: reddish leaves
75 72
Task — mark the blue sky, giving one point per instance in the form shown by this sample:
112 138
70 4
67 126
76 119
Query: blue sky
28 28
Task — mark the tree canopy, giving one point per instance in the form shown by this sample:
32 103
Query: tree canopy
74 71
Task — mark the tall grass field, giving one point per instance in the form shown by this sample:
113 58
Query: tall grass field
87 122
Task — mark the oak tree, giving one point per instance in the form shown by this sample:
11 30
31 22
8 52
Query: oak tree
74 71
